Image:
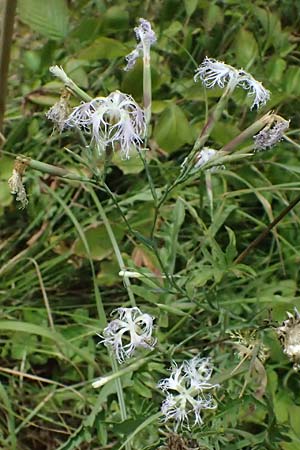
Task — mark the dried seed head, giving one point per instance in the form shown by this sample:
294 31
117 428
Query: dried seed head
59 112
247 342
289 336
16 185
270 135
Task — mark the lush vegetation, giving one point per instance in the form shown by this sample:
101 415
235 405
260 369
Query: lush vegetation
176 235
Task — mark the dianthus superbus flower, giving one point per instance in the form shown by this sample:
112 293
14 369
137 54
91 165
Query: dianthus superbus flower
113 120
131 330
187 391
216 73
146 37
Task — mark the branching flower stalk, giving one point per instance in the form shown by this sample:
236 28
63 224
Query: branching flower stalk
215 73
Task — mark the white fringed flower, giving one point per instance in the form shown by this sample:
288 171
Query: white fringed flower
270 135
16 185
146 37
111 120
186 391
216 73
131 330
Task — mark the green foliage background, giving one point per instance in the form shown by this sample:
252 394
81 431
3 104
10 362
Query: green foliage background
43 258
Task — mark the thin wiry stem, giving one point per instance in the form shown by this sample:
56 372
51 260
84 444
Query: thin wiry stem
9 10
114 245
264 233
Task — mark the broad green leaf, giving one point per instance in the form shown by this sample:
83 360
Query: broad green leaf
132 82
115 18
108 274
224 132
50 18
275 68
145 293
55 337
294 412
271 25
246 48
190 6
213 16
103 48
132 165
98 241
141 389
172 129
173 29
291 80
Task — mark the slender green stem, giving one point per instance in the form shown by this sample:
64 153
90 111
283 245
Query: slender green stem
50 169
147 87
265 232
114 244
69 83
149 177
208 127
7 24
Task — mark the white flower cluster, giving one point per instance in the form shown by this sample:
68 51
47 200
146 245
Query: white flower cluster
131 330
216 73
111 120
146 37
186 391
